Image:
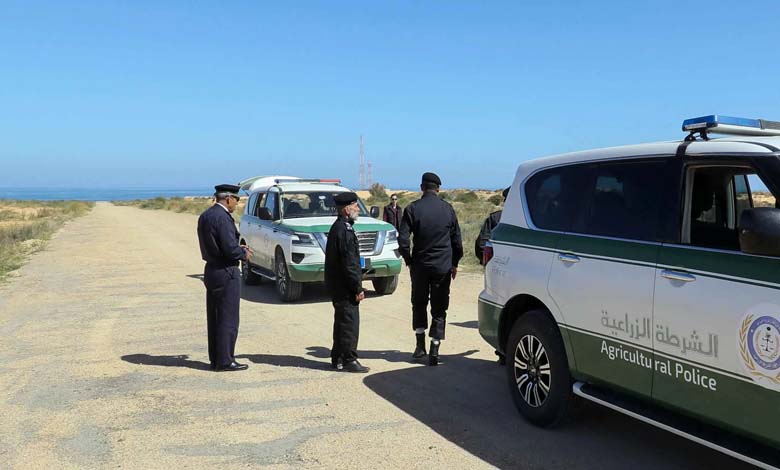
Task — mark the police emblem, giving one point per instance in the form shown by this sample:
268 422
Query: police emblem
759 348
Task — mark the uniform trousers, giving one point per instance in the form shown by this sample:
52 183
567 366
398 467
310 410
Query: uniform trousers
346 329
223 293
436 286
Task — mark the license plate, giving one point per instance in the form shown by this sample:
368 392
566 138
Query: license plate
362 262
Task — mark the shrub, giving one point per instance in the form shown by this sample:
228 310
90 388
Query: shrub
496 199
467 197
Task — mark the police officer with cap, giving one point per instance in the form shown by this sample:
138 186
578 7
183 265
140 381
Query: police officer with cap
344 279
220 250
433 262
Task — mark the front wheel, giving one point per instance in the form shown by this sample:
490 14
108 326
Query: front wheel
537 370
385 285
288 290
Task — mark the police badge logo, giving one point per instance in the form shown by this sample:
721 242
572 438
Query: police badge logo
759 348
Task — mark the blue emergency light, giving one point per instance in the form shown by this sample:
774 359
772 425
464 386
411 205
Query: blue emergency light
718 124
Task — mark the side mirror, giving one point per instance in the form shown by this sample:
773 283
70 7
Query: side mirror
759 231
374 212
264 214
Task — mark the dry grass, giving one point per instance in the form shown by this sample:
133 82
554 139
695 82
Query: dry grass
25 226
186 205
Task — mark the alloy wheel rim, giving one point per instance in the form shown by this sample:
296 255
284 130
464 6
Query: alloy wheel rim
281 276
532 371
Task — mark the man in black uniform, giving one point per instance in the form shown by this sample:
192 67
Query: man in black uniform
433 261
487 229
344 279
220 250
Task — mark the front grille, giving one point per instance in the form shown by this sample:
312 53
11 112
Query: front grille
367 242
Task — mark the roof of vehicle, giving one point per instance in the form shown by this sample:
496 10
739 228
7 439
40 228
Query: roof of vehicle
289 183
739 144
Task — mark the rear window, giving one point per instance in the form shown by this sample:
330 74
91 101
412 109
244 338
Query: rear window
552 196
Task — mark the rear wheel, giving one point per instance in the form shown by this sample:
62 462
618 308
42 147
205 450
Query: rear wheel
385 285
288 290
537 369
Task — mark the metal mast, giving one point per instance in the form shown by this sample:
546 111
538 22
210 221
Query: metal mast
362 165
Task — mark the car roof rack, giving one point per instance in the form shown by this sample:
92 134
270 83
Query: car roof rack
728 125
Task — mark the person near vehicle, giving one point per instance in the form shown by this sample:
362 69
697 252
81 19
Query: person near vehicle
432 226
487 228
393 212
344 279
219 248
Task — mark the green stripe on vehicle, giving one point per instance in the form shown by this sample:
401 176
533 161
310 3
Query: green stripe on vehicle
369 227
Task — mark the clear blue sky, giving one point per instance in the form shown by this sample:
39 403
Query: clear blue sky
184 94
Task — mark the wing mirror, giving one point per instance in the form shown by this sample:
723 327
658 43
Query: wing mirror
759 231
374 212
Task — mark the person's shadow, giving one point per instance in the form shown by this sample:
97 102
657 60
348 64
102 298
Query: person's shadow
467 324
180 360
389 355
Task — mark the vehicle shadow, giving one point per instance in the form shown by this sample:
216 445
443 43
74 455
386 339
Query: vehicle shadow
181 360
466 401
265 293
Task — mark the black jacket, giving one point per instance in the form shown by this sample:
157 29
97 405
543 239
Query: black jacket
434 225
343 275
393 217
218 238
484 234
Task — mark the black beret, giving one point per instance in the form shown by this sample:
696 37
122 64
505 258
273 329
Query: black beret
227 188
345 199
429 177
505 192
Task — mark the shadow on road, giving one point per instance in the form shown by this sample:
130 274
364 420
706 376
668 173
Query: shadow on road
313 292
286 361
196 276
389 355
467 324
467 402
181 360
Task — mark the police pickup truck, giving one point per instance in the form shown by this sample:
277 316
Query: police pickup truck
286 222
646 278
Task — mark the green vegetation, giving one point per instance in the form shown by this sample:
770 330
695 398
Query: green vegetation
25 226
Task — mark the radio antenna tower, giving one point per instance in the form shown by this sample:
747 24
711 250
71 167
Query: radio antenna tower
362 165
370 179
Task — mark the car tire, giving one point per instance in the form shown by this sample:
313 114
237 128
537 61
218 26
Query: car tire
249 278
288 290
385 285
538 370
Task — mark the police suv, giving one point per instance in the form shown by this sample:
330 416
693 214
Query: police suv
646 278
286 222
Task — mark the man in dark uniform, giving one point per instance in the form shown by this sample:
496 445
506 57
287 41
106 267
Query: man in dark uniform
393 212
487 229
344 279
433 262
220 250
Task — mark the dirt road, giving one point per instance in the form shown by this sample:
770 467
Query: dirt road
103 364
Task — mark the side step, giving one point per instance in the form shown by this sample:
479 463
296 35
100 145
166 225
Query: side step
263 273
741 448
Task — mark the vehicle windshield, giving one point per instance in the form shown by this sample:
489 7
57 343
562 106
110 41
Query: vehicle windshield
296 205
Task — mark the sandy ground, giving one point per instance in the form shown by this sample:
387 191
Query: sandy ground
103 365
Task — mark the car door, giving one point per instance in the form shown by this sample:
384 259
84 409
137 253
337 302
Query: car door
266 234
717 309
603 272
250 224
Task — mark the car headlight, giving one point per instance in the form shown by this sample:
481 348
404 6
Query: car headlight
392 236
303 239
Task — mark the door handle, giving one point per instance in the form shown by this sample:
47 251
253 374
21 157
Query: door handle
567 258
678 276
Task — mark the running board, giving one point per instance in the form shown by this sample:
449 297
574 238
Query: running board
732 445
262 273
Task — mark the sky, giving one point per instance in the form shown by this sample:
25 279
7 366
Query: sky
188 94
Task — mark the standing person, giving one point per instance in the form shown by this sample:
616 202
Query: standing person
487 228
218 238
433 262
344 279
393 212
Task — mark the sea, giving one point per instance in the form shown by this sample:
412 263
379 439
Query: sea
97 194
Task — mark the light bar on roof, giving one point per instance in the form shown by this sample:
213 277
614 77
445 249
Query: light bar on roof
305 180
718 124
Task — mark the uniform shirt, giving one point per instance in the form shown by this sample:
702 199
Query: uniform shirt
218 238
343 275
484 234
434 225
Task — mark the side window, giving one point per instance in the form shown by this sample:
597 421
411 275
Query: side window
551 196
250 205
260 203
742 196
622 200
270 203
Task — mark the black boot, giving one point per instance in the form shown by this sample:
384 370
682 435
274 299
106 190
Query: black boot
419 351
433 358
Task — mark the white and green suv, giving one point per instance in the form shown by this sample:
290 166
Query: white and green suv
646 278
286 222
